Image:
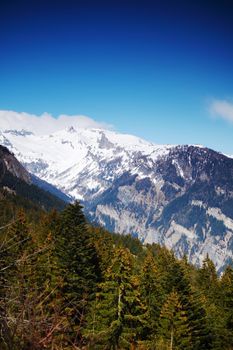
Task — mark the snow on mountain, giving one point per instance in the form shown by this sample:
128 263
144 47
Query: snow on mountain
180 196
72 159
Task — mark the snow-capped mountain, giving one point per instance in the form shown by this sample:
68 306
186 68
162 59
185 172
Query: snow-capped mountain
180 196
81 162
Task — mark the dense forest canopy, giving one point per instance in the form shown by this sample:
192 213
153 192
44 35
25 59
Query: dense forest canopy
65 284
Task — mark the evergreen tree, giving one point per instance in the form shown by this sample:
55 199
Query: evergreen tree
165 261
152 293
117 318
208 279
104 245
174 330
208 285
227 305
193 304
67 285
78 264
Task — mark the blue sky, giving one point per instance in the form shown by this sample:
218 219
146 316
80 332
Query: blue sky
159 70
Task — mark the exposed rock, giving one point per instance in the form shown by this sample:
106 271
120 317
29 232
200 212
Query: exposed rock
180 196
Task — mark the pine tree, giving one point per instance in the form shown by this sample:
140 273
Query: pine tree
78 265
152 293
174 329
104 245
227 305
209 286
117 317
208 280
165 261
193 303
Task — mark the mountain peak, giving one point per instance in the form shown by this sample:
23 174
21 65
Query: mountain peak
177 195
71 130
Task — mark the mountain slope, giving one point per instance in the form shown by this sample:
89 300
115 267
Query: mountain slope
189 208
180 196
9 164
16 181
80 162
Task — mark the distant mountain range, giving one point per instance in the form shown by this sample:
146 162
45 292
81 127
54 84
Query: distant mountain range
180 196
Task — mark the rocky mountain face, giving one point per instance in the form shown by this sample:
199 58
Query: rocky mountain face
185 203
9 163
180 196
15 180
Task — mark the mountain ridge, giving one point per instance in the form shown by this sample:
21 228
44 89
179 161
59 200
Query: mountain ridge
16 181
177 195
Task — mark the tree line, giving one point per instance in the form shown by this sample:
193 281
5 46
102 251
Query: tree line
65 284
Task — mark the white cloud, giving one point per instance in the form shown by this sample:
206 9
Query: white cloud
222 109
46 123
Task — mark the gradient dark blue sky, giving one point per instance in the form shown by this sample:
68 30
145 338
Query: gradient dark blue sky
150 68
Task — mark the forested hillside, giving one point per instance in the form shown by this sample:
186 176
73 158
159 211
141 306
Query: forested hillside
67 285
178 196
16 180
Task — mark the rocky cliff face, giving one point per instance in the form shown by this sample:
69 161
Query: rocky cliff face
16 181
9 163
184 202
180 196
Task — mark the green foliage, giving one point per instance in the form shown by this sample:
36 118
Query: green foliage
153 294
174 328
117 317
193 304
226 284
28 194
127 241
67 285
207 278
78 264
104 245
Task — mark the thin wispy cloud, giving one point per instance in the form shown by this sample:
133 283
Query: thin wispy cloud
46 123
221 109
